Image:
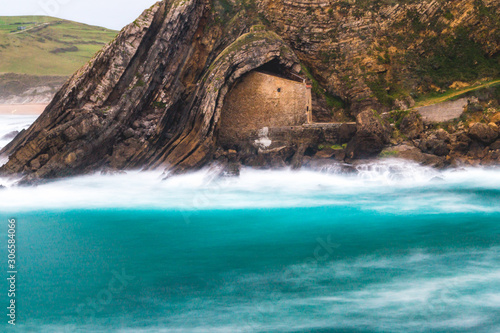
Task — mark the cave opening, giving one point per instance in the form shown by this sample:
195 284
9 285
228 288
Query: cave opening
274 68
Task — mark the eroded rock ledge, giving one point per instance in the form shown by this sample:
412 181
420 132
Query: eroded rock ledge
153 97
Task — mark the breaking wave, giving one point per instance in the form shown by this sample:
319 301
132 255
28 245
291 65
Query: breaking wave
390 186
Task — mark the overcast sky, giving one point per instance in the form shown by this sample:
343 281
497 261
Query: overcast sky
113 14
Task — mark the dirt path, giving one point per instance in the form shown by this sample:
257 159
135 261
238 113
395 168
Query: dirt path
36 26
444 111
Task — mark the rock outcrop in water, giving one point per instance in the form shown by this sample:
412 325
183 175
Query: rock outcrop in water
153 97
372 134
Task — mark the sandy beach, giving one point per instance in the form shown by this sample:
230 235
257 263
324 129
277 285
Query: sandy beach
22 109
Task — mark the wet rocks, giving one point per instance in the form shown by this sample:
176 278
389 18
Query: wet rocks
128 133
40 161
460 142
412 125
495 118
495 145
435 147
483 133
327 152
493 126
345 133
231 169
416 155
474 106
371 136
71 134
441 134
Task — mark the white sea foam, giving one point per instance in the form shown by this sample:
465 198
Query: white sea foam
413 300
12 123
9 124
389 187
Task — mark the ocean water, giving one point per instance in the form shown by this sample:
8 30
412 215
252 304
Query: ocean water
393 248
10 124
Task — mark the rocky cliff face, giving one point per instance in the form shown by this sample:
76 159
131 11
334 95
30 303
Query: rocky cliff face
378 53
153 97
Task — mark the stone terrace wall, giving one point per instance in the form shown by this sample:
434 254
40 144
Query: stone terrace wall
260 100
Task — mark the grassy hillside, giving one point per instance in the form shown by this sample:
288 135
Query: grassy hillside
40 45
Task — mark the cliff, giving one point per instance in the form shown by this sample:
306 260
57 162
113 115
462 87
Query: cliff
384 54
153 97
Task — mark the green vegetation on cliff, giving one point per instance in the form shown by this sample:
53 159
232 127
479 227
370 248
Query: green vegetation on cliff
453 94
438 51
456 58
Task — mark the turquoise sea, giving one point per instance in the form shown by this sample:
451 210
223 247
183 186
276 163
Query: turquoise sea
393 248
